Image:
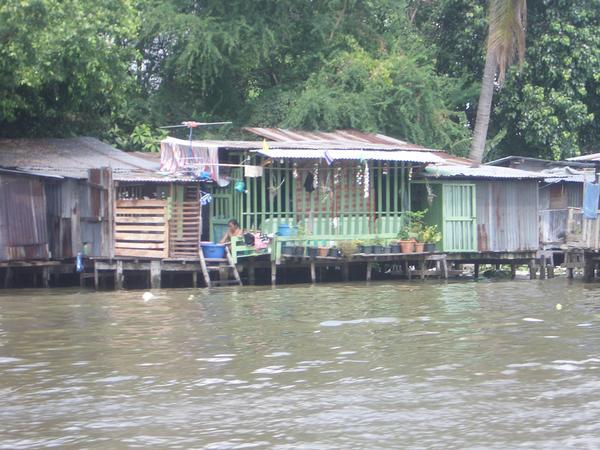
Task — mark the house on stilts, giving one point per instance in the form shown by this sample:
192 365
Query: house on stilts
313 205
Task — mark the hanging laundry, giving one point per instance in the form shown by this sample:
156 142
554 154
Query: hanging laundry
179 156
591 195
309 182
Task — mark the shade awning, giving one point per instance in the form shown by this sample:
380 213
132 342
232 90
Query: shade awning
378 155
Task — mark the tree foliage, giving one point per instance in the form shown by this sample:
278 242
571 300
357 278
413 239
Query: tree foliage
409 68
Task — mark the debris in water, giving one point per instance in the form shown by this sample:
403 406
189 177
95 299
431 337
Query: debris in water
148 296
532 319
558 306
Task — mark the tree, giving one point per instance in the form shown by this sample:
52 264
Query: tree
506 38
64 64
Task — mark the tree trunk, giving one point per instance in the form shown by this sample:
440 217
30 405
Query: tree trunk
484 108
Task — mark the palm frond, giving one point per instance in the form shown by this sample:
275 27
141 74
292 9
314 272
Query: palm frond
506 38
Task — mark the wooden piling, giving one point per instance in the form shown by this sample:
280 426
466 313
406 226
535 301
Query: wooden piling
369 270
273 273
475 271
513 271
532 270
313 273
155 274
119 275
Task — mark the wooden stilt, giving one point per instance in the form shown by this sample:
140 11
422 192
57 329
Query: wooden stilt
251 274
513 271
476 271
273 273
542 265
155 274
346 272
570 273
423 266
232 267
313 273
205 273
532 270
444 268
369 270
194 279
588 269
119 275
408 272
45 277
96 278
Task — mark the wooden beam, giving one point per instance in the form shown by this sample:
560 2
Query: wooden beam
155 274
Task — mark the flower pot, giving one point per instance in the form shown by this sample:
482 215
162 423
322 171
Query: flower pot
429 247
323 251
360 248
419 247
407 246
377 249
288 250
334 252
395 248
387 249
367 249
298 250
312 252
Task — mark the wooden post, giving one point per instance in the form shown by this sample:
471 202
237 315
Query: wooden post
155 272
532 270
251 274
422 264
542 267
369 270
7 278
273 273
445 268
313 273
119 275
513 271
194 279
570 273
476 271
46 276
346 272
96 277
407 268
588 268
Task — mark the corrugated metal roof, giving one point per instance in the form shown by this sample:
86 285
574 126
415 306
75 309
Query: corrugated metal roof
341 138
479 172
68 157
399 155
590 157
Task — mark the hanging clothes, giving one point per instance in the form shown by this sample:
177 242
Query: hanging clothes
591 195
178 156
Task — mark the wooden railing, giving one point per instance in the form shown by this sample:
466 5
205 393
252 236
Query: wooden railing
141 228
582 232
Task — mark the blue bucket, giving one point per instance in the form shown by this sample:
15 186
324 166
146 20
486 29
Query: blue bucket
287 230
213 251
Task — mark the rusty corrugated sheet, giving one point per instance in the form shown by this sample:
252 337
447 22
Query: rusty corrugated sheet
507 215
23 218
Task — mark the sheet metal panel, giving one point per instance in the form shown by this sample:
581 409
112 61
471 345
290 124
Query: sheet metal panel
399 155
24 227
507 215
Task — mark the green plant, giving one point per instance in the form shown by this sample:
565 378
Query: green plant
404 235
348 248
376 240
430 234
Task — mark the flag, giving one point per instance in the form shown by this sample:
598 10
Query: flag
328 157
265 145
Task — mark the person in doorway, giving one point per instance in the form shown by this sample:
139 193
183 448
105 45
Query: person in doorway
233 230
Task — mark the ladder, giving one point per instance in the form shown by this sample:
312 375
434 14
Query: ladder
224 266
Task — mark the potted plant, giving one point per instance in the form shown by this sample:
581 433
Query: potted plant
377 246
431 236
348 248
323 251
407 245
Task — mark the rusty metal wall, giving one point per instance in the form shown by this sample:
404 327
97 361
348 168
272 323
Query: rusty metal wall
507 215
23 225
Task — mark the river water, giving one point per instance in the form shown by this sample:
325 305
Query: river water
402 365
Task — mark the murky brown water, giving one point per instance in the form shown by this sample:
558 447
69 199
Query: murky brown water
469 365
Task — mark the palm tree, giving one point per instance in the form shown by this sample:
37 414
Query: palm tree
506 39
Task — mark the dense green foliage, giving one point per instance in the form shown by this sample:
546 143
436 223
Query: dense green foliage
409 68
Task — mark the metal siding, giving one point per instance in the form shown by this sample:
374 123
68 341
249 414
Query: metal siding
507 215
24 218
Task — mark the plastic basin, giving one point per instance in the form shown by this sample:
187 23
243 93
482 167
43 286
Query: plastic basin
212 250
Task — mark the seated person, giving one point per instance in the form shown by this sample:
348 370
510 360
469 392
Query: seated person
233 230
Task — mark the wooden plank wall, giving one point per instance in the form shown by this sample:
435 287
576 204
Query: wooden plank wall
185 223
141 228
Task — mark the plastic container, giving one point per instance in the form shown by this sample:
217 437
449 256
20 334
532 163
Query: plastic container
284 229
212 250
